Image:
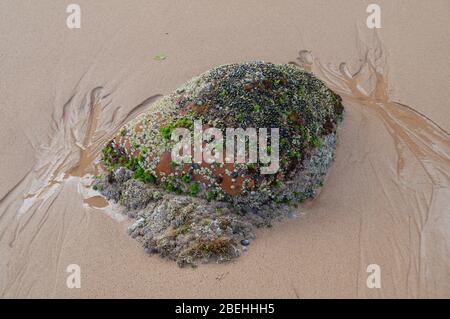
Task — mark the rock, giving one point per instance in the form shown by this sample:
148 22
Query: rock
151 251
282 97
292 215
245 242
121 175
198 211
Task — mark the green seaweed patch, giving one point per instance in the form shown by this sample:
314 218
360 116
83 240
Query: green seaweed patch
159 57
315 141
170 186
256 108
194 188
143 175
211 195
294 154
114 156
184 122
186 178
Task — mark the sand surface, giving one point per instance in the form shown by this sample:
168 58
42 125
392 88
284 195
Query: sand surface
64 92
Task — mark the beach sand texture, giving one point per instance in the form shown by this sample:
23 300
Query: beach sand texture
64 93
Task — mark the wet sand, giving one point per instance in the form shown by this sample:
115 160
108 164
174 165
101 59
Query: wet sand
385 201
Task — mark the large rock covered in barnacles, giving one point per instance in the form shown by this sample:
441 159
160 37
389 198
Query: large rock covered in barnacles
250 95
200 209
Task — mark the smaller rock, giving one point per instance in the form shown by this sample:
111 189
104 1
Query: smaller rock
151 250
245 242
121 175
292 215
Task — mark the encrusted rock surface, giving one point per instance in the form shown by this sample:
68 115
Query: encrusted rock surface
201 211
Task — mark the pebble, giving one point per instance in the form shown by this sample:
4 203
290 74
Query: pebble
292 215
245 242
151 251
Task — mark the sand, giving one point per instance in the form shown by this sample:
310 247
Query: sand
386 199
